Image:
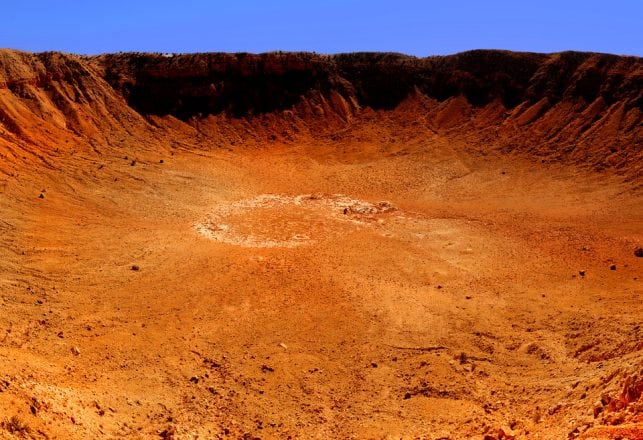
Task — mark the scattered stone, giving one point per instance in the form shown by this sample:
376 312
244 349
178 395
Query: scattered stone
135 267
194 379
132 163
168 434
41 196
613 267
581 273
638 252
4 384
506 433
284 346
554 409
605 399
537 415
597 410
16 426
374 364
61 334
632 389
267 369
161 161
75 351
407 396
34 406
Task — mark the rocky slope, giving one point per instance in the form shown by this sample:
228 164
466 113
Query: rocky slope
579 108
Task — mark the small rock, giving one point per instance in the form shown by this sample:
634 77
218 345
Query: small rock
194 379
75 351
284 346
581 273
407 396
638 252
34 407
597 410
374 364
41 196
554 409
135 267
168 433
161 161
613 267
61 335
506 433
267 369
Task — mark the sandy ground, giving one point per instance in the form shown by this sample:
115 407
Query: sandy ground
314 291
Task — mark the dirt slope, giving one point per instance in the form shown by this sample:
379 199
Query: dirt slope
349 246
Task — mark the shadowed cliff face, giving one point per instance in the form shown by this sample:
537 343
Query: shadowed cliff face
578 108
195 85
192 85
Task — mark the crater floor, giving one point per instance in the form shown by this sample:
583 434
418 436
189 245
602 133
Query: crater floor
317 292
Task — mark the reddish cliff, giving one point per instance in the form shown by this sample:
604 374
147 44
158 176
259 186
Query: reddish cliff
582 108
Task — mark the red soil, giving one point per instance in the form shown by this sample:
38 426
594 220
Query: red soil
496 293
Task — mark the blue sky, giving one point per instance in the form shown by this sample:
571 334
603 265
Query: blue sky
408 26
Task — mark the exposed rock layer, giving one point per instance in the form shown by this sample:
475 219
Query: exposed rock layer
580 108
